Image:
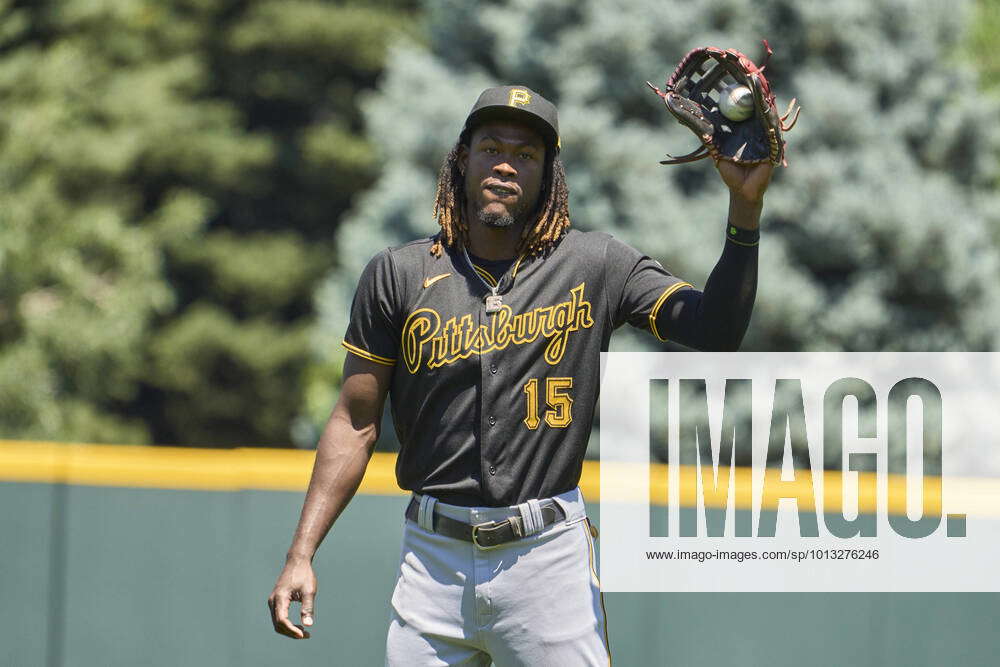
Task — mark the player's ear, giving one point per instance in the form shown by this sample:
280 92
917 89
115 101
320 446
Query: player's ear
463 158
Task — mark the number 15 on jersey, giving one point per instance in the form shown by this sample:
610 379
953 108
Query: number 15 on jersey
560 404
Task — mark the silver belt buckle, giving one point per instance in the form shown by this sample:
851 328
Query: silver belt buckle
513 521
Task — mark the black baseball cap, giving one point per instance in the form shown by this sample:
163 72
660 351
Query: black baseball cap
518 103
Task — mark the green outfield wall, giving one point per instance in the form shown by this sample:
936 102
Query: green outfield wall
103 575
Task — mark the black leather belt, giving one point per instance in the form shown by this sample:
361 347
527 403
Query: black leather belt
488 535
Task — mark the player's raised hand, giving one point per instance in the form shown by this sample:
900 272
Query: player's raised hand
746 181
297 582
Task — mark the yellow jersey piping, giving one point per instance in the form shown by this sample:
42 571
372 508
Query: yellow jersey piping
486 275
659 302
364 354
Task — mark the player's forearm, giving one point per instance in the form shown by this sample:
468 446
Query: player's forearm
717 318
728 298
341 458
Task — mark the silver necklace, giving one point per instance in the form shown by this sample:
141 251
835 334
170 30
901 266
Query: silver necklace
493 299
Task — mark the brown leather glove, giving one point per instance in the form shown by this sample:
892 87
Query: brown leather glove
692 95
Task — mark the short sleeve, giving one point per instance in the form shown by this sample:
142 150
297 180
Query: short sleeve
373 332
638 286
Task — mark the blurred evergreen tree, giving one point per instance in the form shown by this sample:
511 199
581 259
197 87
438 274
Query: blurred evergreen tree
981 46
172 173
877 237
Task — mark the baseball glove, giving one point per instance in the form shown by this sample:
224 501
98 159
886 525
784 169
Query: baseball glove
693 94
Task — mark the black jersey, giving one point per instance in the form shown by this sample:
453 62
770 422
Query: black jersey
495 408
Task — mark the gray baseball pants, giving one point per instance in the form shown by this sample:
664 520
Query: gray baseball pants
533 602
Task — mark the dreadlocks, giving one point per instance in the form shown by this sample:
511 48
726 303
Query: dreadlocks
551 220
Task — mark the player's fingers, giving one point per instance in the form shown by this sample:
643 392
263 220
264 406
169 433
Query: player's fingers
308 600
272 605
279 616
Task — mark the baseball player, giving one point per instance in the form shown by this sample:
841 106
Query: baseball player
488 337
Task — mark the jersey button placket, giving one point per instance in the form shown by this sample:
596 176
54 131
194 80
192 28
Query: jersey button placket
487 402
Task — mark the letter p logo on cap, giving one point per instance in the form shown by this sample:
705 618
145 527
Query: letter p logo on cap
519 96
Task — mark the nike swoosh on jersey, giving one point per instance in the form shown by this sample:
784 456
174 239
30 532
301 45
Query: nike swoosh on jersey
430 281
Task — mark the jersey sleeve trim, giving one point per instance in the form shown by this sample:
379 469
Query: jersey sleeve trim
659 302
364 354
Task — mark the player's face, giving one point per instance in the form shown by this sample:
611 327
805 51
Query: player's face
504 166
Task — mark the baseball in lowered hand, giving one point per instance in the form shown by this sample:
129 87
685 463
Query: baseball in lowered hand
736 102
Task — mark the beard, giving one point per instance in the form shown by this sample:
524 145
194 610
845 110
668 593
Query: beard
496 220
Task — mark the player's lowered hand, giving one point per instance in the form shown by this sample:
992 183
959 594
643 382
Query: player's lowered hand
746 181
297 582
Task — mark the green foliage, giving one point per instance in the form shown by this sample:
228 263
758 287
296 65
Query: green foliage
207 353
172 174
876 237
982 43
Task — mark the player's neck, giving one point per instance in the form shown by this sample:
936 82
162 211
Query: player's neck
494 242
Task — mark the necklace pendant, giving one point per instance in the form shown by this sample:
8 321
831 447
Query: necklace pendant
493 303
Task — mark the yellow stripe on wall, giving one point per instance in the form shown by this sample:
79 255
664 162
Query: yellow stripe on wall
289 470
176 467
